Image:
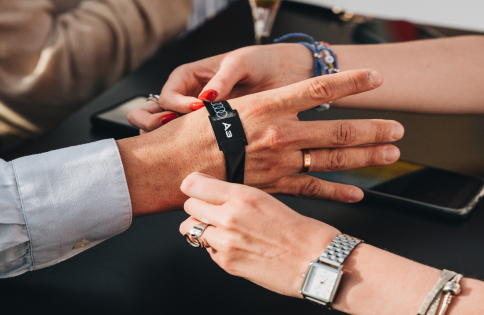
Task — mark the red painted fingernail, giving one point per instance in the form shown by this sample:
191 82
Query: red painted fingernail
196 106
208 95
167 118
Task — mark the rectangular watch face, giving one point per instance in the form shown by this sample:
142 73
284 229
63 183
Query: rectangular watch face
321 282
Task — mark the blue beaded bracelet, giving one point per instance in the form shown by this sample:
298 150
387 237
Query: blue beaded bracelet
319 50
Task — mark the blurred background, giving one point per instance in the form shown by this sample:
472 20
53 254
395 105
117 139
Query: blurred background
465 15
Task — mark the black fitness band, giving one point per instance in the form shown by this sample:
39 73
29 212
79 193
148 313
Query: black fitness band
230 136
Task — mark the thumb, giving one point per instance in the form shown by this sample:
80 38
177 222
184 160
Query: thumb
222 83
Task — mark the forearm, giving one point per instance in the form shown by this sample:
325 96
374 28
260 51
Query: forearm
156 163
379 282
428 76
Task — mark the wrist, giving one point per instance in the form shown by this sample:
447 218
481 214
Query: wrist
320 238
296 58
372 274
156 163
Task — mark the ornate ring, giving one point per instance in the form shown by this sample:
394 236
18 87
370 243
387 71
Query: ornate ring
193 237
306 161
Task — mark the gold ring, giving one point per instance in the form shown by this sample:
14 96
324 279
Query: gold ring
306 161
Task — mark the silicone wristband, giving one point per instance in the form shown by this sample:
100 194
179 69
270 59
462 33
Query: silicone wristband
230 137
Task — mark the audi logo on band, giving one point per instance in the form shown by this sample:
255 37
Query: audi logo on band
219 109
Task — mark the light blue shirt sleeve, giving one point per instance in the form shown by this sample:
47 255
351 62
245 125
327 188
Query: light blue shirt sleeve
58 204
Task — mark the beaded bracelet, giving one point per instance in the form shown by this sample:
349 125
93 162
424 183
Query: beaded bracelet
325 60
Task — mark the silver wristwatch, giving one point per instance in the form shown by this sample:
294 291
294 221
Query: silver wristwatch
324 274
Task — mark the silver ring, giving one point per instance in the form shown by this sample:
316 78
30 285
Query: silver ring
193 237
323 107
153 97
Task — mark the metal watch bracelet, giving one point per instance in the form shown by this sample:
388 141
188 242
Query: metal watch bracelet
339 249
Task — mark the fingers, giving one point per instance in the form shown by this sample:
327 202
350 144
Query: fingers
180 92
304 186
319 90
150 116
207 188
341 133
203 211
187 225
327 160
181 103
219 87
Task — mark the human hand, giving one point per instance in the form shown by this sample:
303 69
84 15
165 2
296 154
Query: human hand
253 235
149 116
240 72
160 160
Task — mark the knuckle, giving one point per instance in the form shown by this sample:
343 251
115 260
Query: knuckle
332 193
320 89
358 81
228 244
381 132
337 159
372 157
354 82
227 264
344 133
309 188
250 201
236 58
229 221
276 138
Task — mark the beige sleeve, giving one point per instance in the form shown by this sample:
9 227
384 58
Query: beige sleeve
53 61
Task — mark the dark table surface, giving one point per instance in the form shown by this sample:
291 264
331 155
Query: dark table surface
150 269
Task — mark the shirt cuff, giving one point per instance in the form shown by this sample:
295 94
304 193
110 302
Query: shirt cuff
72 199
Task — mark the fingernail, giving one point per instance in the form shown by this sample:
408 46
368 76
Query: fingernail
375 78
391 154
356 195
397 131
196 105
167 118
208 95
